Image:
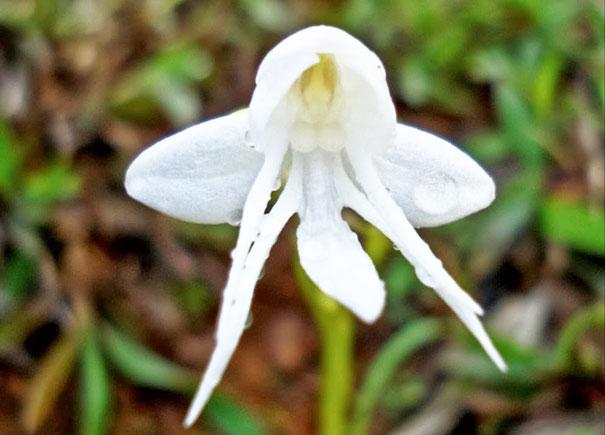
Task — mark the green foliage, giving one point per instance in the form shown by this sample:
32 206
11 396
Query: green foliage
195 297
590 318
403 394
392 354
19 278
32 194
230 418
146 368
573 224
528 368
51 377
94 389
522 81
165 81
10 161
220 238
271 15
401 281
143 367
54 183
492 232
15 326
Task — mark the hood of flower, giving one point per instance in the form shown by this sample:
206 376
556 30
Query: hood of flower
321 89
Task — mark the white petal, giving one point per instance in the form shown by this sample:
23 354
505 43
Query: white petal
255 205
201 174
237 296
393 223
253 244
431 180
269 93
329 251
370 124
362 75
324 40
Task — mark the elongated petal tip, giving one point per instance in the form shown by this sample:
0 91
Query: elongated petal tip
132 184
497 359
212 376
188 421
193 413
371 316
475 326
136 184
485 190
369 311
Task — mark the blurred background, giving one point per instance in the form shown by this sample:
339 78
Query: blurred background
107 308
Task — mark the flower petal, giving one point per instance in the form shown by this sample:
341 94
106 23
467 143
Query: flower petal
394 224
253 244
254 208
323 40
329 251
362 76
270 92
201 174
431 180
237 296
370 124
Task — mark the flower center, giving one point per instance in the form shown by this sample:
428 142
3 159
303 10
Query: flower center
318 98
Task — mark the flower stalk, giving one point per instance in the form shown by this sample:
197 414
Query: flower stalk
336 327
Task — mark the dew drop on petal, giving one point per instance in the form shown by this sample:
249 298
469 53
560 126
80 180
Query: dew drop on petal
437 197
423 276
235 217
249 320
248 139
277 184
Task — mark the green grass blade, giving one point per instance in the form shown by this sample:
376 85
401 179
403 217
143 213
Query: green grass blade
392 355
143 367
95 388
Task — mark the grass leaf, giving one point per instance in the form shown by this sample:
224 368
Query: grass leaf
95 388
49 380
144 367
399 347
573 224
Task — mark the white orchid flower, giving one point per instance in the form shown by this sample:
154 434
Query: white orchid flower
321 111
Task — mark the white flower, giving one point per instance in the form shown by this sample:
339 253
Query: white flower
321 111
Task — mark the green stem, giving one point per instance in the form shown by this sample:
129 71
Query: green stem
376 245
336 371
336 327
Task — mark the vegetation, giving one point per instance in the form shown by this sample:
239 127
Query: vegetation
107 309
